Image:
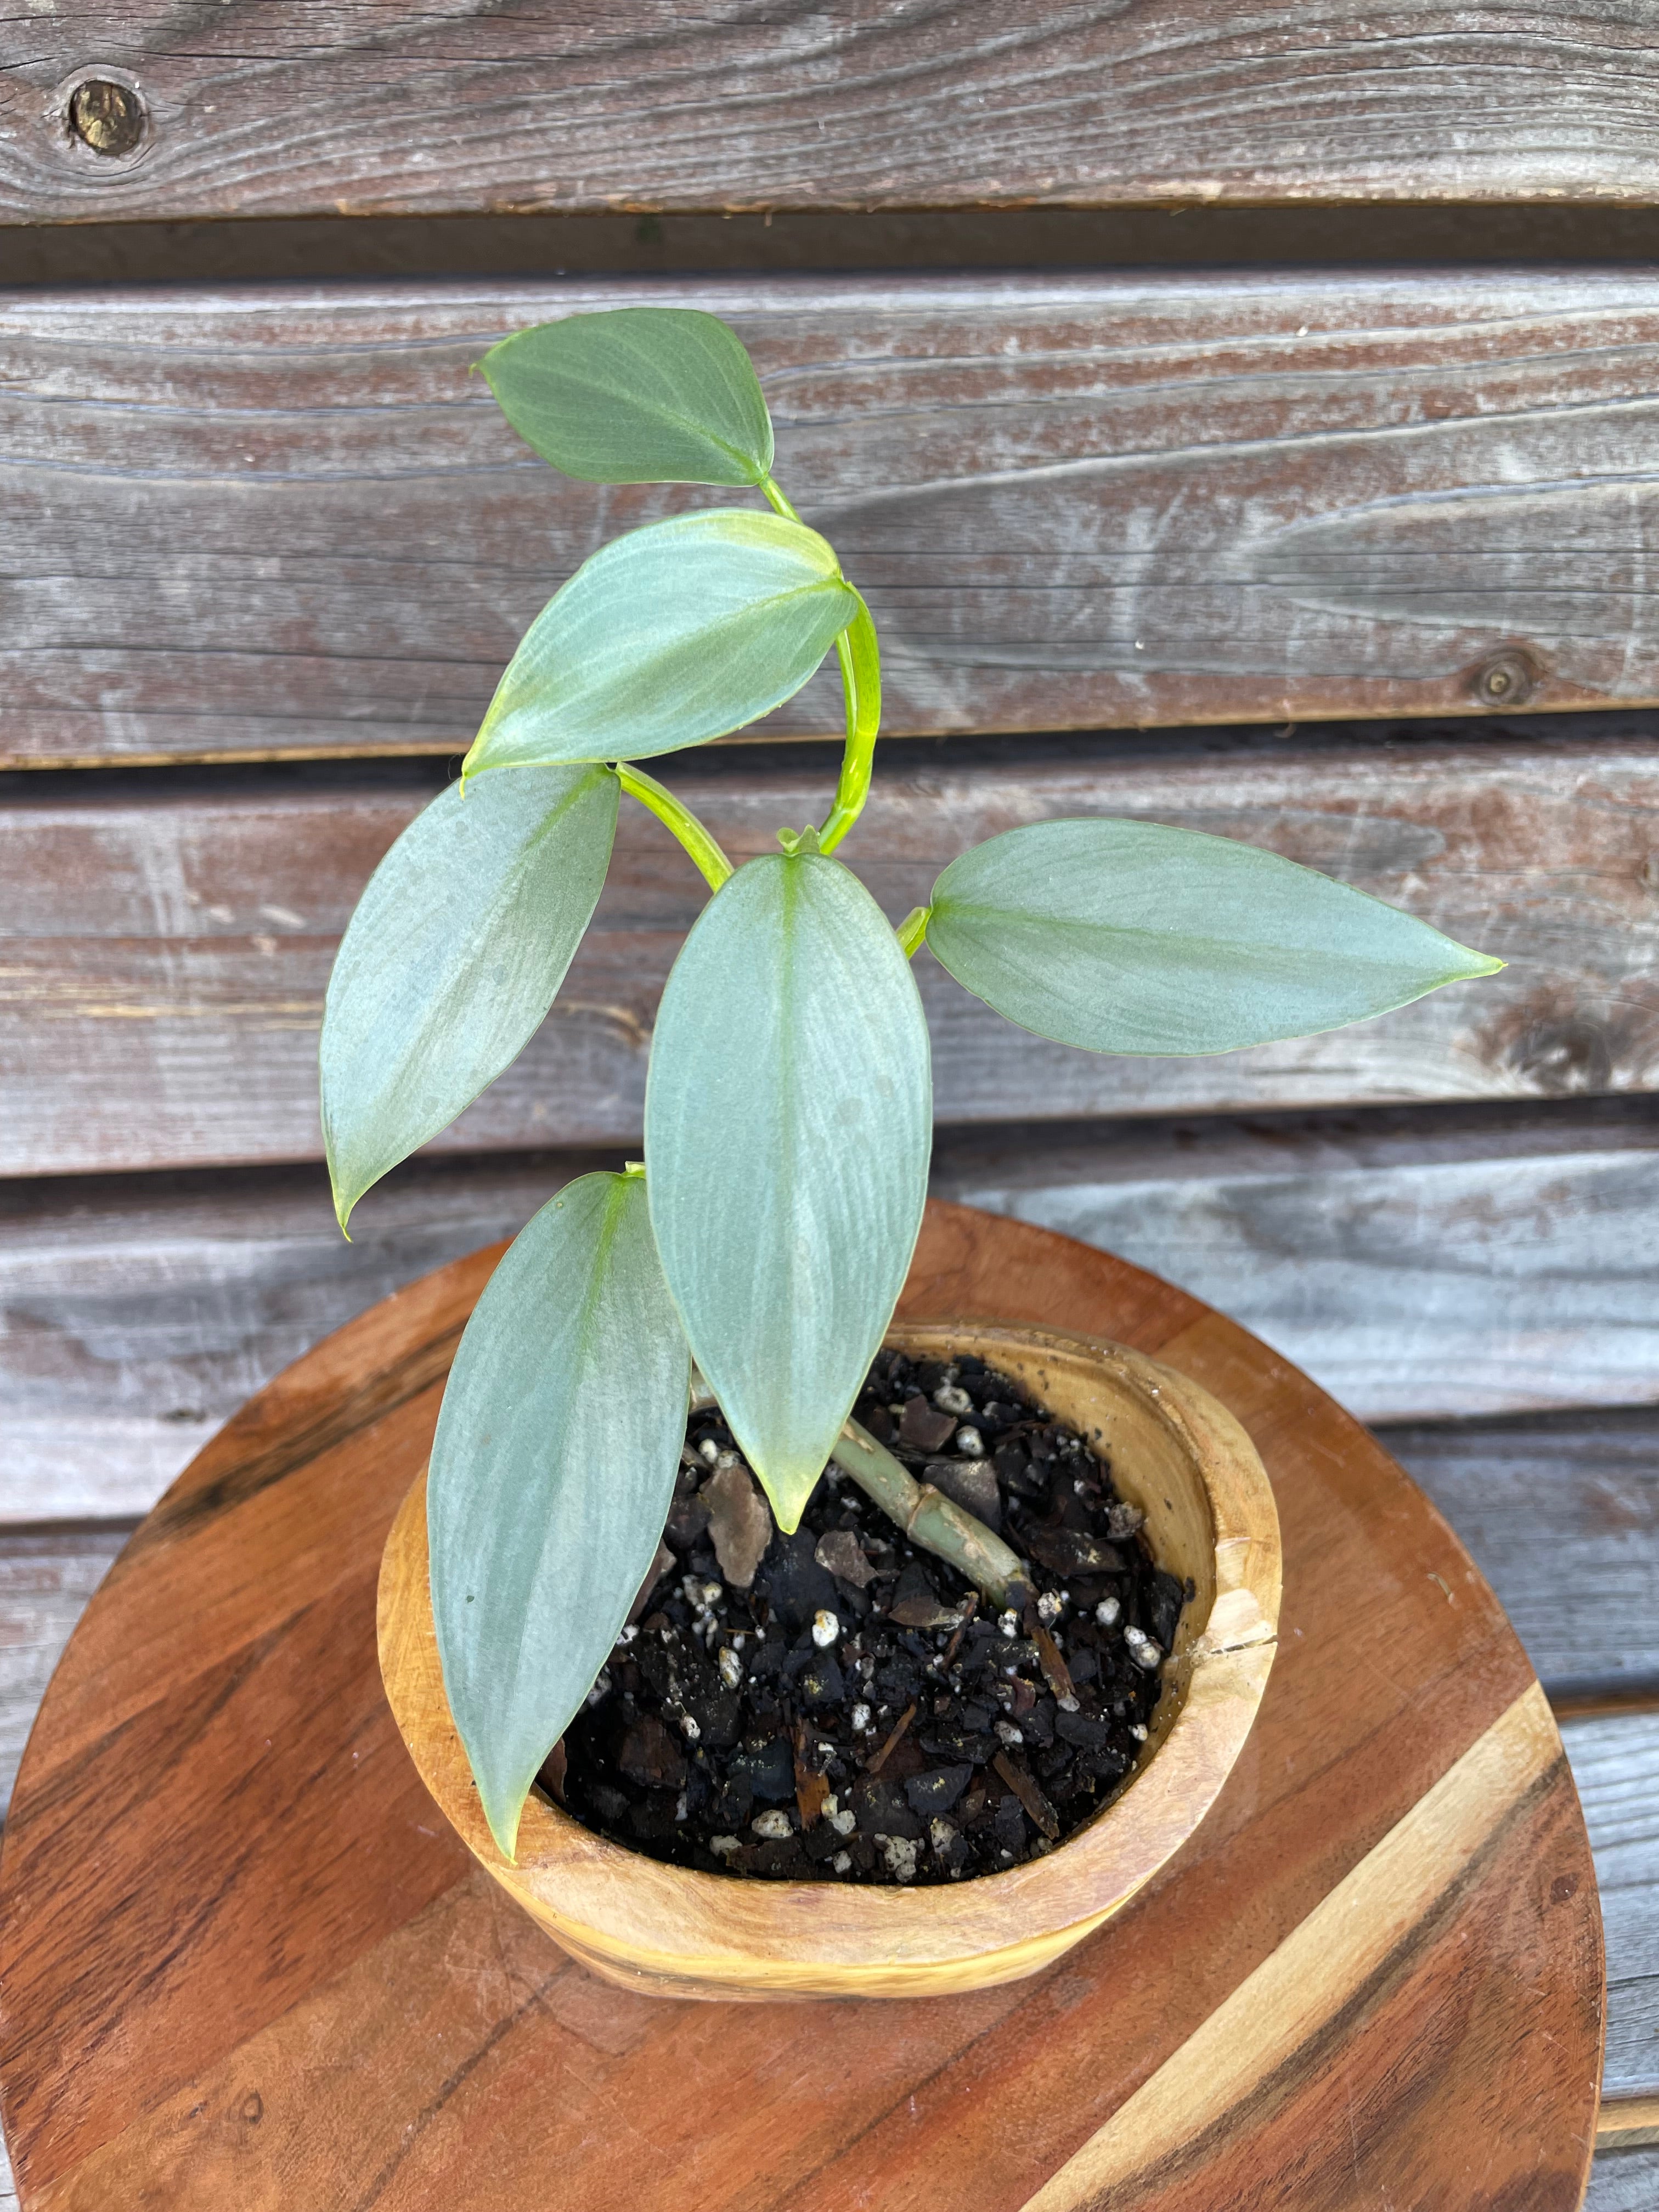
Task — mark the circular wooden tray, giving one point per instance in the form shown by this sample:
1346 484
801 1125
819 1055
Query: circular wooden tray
243 1964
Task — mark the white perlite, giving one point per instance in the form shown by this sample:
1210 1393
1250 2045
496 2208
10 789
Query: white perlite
952 1398
845 1822
825 1629
723 1846
731 1668
1050 1606
942 1835
774 1826
900 1854
689 1728
1142 1649
842 1862
860 1717
1107 1612
969 1443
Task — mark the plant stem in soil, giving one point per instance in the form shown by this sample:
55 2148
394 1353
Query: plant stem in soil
934 1521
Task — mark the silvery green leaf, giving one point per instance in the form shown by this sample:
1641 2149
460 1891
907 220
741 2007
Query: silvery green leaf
787 1127
452 958
636 395
1134 937
686 630
551 1475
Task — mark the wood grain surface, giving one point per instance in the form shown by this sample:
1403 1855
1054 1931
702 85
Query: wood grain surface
337 2011
375 108
1435 1267
289 521
165 945
1623 2181
1402 1257
1615 1764
1561 1515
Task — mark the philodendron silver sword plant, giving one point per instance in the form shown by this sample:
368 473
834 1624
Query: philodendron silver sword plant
788 1101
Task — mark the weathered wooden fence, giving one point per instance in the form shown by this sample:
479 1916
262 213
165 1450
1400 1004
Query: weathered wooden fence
1357 561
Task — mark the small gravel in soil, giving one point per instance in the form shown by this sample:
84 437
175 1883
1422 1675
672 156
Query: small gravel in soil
837 1705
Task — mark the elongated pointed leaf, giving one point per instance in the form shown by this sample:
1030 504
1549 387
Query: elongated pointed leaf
452 958
1129 937
551 1476
636 395
788 1125
682 631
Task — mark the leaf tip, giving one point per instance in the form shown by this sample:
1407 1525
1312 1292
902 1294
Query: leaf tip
344 1200
503 1809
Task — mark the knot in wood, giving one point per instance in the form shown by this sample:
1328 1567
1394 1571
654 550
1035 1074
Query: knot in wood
1506 679
108 116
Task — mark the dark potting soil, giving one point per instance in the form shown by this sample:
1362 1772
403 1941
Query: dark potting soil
837 1704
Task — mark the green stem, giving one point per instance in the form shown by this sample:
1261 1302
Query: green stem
913 929
932 1521
860 656
860 679
716 868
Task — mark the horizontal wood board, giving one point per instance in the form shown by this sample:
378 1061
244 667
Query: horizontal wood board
288 521
1421 1270
272 109
1623 2181
1486 1270
1615 1764
165 945
1561 1515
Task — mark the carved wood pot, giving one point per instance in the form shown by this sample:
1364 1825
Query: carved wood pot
1175 1452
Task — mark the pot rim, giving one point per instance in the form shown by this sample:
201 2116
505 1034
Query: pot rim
603 1898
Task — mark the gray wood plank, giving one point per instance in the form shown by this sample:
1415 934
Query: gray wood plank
1561 1513
1615 1763
1414 1266
167 942
1623 2181
1417 1271
290 521
45 1582
273 108
136 1317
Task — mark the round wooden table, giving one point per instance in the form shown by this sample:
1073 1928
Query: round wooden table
244 1965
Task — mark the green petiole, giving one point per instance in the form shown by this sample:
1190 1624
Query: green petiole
679 818
775 500
861 678
860 656
911 931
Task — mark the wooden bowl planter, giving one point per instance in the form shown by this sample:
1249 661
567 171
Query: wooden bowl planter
1176 1453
